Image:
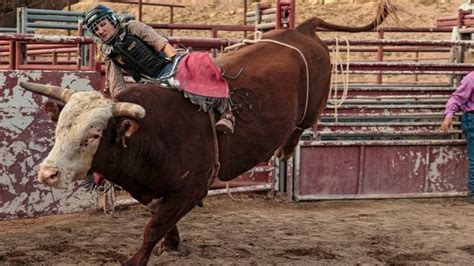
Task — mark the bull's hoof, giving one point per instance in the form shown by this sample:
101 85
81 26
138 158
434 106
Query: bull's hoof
137 260
169 250
130 262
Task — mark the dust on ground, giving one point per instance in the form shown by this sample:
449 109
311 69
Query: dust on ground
253 229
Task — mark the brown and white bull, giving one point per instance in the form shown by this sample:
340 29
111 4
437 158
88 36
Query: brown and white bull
158 146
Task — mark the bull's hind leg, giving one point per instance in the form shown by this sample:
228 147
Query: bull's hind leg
286 150
172 208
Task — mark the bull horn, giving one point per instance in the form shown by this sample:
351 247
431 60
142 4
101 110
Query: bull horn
54 92
131 110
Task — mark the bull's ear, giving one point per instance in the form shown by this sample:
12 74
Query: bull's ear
52 110
126 128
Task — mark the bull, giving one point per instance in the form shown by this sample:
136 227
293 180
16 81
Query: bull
161 149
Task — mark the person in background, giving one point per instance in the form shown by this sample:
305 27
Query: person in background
463 99
148 57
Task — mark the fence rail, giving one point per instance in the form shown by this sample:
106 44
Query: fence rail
19 46
17 51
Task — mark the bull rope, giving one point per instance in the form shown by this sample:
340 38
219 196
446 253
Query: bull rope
217 164
336 59
257 39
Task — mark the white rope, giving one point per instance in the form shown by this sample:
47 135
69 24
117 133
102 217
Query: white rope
258 38
336 60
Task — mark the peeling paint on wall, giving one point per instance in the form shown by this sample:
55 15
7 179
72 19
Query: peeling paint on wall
26 136
383 169
440 158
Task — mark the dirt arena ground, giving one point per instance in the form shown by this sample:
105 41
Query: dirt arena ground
254 230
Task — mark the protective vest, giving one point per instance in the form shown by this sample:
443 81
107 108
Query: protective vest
136 57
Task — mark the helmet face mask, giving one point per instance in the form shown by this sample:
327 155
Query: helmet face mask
100 19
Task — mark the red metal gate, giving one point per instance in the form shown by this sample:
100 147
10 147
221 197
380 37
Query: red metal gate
379 169
384 143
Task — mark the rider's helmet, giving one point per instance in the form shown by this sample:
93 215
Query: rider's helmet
97 15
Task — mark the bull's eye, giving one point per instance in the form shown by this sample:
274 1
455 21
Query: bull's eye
96 136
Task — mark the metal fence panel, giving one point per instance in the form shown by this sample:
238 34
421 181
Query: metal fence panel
26 136
379 169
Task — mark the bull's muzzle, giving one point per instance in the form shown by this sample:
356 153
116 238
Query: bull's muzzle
49 177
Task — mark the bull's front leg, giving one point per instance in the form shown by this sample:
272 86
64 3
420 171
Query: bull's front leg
171 241
172 208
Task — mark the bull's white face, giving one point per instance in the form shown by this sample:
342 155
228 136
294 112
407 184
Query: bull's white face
78 134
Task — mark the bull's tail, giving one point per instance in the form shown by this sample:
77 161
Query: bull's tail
385 8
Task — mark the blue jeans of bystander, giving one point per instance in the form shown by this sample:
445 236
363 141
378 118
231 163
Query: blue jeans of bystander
467 125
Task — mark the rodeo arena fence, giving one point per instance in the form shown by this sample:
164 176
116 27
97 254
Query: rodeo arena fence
376 138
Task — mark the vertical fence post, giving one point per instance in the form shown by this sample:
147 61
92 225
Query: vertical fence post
24 20
257 14
68 9
245 12
171 19
245 17
278 15
417 59
12 50
140 10
459 19
55 58
20 48
292 18
214 35
82 52
4 7
18 19
92 62
380 55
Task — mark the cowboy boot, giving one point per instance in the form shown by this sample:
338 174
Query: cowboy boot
226 122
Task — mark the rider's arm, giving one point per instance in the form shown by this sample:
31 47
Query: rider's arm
114 78
150 36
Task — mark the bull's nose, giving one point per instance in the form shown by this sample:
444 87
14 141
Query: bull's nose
48 176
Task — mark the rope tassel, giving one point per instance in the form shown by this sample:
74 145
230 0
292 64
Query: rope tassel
337 63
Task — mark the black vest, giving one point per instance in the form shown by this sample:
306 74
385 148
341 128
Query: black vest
136 57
